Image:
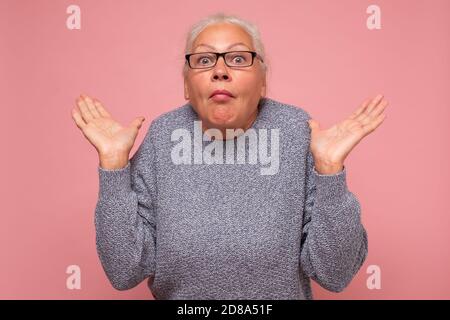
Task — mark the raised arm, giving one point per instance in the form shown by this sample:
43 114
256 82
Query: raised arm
124 215
334 242
125 220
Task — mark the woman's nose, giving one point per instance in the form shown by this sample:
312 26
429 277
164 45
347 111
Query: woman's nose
220 71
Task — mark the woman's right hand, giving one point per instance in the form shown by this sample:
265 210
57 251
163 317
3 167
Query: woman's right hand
112 140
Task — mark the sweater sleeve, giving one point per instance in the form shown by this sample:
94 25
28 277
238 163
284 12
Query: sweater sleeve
125 220
334 242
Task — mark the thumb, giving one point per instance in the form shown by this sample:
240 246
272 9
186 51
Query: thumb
313 124
137 122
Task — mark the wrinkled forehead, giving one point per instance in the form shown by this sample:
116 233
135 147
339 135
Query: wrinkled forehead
234 46
222 37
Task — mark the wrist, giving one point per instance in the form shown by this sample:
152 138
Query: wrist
328 168
113 161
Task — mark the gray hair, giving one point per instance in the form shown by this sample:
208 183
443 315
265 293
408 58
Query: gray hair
221 17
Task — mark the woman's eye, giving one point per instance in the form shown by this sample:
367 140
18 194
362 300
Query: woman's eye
238 59
204 60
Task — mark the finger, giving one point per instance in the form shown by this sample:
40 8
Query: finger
375 112
100 108
375 102
313 124
379 108
370 107
78 119
91 106
85 113
371 126
360 109
137 122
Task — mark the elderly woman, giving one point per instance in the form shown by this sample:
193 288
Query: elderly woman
200 223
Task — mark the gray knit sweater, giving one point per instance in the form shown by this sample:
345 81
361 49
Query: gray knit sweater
227 231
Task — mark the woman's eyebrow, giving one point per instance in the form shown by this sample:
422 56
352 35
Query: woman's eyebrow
229 47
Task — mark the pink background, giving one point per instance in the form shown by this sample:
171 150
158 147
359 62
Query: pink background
129 54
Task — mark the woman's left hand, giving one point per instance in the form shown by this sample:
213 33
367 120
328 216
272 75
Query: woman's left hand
331 146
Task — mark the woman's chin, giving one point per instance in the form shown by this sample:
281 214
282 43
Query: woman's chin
222 116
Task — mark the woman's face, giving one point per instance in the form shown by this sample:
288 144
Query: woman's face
247 85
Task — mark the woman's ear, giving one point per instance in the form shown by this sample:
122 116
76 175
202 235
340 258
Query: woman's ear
263 87
186 91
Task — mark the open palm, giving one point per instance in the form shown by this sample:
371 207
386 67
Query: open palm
107 135
333 145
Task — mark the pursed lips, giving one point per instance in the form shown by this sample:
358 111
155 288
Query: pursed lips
222 92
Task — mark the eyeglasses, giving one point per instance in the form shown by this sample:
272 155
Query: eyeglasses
234 59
